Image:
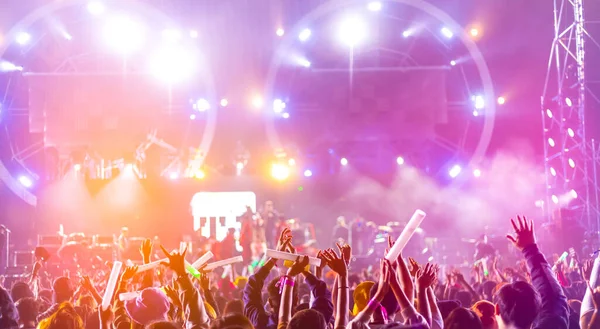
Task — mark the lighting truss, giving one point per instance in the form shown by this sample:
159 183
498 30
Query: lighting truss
571 157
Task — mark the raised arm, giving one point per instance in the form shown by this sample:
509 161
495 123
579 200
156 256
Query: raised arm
554 312
287 285
425 278
191 301
339 264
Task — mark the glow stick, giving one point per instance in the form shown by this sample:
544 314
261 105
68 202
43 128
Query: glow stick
560 260
110 286
128 296
292 257
151 266
224 262
202 260
191 269
485 267
407 233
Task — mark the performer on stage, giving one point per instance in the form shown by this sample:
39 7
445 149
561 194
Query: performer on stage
340 232
247 221
123 242
483 249
271 218
259 240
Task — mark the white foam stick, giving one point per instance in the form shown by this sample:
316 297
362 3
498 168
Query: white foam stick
110 286
291 257
224 262
151 266
128 296
202 260
182 246
407 233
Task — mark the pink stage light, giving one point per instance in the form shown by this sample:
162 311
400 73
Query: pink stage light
25 181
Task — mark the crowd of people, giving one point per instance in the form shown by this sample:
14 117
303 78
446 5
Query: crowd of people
396 293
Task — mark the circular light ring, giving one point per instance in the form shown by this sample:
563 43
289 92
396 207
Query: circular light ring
141 9
474 52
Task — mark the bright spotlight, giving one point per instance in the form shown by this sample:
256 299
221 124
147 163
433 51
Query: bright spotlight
552 171
568 102
447 32
479 102
454 171
199 174
285 115
475 113
278 106
173 175
304 35
400 161
501 100
407 33
570 132
571 163
573 194
453 62
554 199
192 117
202 105
25 181
280 171
280 32
257 102
77 167
124 34
9 67
352 31
344 161
304 62
551 142
224 102
23 38
549 113
173 65
239 165
171 34
474 32
96 7
374 6
193 34
308 173
477 173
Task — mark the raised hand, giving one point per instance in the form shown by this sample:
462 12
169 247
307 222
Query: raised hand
426 276
146 250
204 281
87 283
176 261
298 266
384 280
459 277
338 264
284 239
129 273
414 266
346 252
524 235
172 294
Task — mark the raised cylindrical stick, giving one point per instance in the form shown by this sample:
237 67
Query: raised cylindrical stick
151 266
292 257
128 296
224 262
407 233
202 260
110 286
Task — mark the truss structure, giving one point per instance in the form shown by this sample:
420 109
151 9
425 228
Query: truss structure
571 157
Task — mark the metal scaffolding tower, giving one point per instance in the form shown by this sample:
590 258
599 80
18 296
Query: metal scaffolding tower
570 155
